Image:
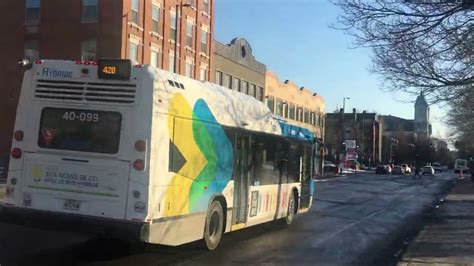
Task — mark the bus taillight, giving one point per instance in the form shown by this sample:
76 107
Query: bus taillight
16 153
139 165
38 62
140 145
18 135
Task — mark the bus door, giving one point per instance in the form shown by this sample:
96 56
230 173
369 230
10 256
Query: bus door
305 176
242 177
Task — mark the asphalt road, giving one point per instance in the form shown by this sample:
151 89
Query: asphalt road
364 219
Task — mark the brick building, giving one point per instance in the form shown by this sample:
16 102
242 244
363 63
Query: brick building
365 128
144 31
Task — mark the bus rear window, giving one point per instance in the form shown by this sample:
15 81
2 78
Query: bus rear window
80 130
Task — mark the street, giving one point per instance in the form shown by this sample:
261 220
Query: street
364 219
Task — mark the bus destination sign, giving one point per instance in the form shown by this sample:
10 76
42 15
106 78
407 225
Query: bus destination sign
116 69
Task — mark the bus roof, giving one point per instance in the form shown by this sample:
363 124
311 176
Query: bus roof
229 107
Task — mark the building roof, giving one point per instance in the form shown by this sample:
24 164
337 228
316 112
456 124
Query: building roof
349 116
393 123
240 51
420 100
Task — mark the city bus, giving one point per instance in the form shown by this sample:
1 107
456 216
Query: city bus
144 154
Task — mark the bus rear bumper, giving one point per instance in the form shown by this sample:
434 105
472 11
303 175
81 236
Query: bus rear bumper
102 227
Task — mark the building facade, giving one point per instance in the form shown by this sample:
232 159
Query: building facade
365 128
236 68
298 105
145 31
398 132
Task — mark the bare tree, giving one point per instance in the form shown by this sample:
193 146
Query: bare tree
417 45
461 117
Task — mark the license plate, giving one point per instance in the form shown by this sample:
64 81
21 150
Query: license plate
72 205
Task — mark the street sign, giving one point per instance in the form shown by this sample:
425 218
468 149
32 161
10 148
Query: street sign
351 157
351 151
350 144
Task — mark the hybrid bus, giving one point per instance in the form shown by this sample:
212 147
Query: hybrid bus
142 153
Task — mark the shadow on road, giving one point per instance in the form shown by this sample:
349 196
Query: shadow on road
101 251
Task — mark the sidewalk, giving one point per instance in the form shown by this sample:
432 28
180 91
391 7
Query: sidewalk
449 238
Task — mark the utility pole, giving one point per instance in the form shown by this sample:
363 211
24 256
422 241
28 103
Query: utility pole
178 25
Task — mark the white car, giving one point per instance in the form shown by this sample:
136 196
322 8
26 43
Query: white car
437 167
427 170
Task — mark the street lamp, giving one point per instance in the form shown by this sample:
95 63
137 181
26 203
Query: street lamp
343 138
343 114
179 10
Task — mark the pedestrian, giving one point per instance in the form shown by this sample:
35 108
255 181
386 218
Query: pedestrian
417 171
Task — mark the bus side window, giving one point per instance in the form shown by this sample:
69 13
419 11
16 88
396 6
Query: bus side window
268 166
293 163
307 163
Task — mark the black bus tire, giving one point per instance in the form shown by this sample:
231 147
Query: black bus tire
290 214
214 227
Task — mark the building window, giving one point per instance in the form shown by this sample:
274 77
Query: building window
189 34
191 2
226 82
299 114
292 112
134 52
260 93
171 62
189 69
285 110
31 50
89 50
219 77
271 104
206 6
306 116
245 87
279 108
32 15
155 18
173 26
90 10
204 41
155 59
252 90
203 73
236 84
135 10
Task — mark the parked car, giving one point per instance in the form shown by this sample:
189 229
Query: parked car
406 168
330 168
437 167
398 170
383 170
427 170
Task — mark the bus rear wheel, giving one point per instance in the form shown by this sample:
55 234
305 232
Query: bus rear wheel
214 226
290 215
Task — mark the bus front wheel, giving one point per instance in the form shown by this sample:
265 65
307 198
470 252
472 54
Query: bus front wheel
214 226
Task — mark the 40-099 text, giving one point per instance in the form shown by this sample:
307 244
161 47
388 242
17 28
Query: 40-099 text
82 116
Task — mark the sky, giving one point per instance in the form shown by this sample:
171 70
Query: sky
294 39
